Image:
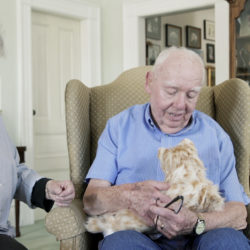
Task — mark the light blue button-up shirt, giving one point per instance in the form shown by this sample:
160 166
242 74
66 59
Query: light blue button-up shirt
128 147
16 180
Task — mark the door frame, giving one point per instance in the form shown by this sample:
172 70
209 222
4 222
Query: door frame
89 16
134 14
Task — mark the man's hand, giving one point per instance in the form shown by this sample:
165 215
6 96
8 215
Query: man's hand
62 192
171 224
100 197
143 195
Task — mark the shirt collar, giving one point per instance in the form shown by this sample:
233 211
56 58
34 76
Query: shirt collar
151 123
148 117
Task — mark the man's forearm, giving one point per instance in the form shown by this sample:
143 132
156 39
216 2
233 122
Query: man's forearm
99 200
233 216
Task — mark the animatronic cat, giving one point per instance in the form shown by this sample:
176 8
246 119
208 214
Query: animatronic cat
186 175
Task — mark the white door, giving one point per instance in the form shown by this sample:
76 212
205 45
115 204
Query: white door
55 60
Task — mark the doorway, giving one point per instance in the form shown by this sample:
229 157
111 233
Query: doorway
134 29
55 60
88 15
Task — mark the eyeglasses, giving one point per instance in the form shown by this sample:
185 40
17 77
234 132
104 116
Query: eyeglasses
177 198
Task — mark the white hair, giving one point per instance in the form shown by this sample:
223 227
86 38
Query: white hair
188 54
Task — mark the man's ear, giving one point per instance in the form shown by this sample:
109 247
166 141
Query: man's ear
149 79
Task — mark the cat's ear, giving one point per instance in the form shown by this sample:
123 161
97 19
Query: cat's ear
186 141
188 144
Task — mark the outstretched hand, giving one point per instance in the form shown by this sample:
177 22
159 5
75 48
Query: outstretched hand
62 192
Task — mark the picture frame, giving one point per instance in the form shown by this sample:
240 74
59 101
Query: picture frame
210 76
153 27
210 51
193 37
173 35
209 30
152 51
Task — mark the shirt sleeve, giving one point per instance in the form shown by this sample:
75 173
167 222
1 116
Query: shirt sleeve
38 197
230 186
105 166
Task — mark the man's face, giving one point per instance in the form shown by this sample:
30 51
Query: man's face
174 90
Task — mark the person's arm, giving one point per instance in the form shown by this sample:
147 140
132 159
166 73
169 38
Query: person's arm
100 197
38 196
233 215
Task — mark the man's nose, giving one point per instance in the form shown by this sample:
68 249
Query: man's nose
180 101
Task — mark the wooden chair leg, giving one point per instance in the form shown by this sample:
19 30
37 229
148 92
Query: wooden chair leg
17 214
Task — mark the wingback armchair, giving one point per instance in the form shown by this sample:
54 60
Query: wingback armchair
87 110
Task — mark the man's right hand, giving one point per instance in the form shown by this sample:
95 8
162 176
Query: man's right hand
100 197
142 195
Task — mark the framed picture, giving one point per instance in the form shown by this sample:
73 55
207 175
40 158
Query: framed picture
210 76
209 31
244 21
152 51
210 53
153 27
173 35
193 37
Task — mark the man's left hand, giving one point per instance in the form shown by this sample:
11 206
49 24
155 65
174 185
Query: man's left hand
171 224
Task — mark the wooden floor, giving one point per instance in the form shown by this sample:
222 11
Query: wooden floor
35 237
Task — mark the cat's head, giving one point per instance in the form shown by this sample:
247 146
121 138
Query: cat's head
176 155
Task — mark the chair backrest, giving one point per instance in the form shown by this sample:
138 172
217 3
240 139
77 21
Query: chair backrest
88 109
127 90
108 100
232 102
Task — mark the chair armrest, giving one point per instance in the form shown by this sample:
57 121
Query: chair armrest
66 222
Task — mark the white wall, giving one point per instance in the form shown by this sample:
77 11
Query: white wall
112 59
112 46
111 52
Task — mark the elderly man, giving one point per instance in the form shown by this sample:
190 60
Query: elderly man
126 172
19 182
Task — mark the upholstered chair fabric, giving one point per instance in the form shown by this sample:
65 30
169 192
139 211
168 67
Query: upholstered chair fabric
87 111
